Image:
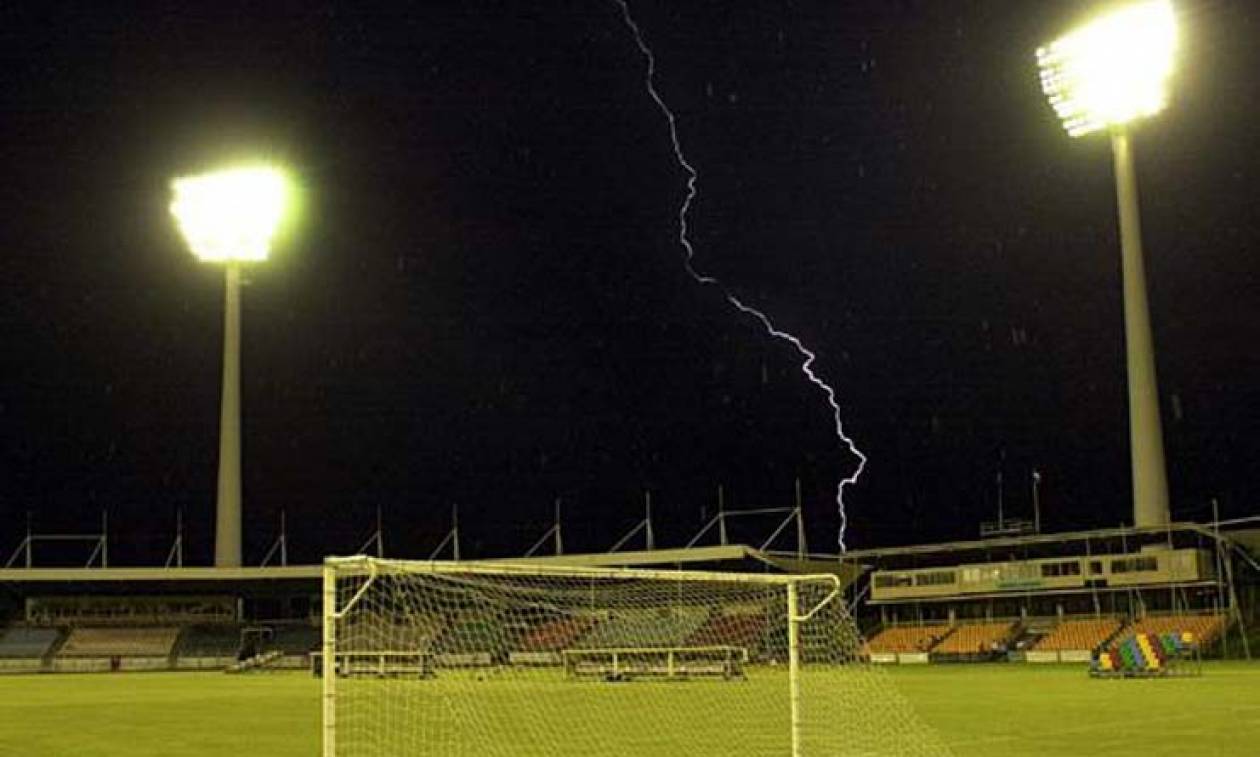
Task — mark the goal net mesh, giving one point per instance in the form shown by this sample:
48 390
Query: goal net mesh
478 659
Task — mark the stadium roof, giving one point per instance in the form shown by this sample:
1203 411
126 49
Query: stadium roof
1033 539
66 575
743 556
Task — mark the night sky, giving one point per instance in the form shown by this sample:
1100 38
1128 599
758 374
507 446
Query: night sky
484 301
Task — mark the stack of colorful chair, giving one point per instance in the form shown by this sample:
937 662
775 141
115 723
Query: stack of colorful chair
1142 654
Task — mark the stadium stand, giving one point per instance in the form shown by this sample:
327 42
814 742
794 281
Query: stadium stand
91 649
475 639
646 628
908 638
207 646
1083 633
479 631
119 642
295 639
1204 629
978 638
22 642
209 641
556 634
420 635
733 629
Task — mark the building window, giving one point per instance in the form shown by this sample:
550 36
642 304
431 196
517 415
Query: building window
1135 565
892 581
935 578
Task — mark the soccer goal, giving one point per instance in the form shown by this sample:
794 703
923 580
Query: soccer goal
527 659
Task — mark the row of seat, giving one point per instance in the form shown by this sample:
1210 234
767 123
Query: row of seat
119 642
1078 633
26 643
1204 628
1070 634
975 637
29 642
1093 634
685 626
645 628
902 639
942 638
677 628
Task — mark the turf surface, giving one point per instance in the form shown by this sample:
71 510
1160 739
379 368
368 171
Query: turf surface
977 710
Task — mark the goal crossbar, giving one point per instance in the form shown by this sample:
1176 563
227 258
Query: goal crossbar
371 566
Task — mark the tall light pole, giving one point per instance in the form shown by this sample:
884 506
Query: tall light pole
230 217
1101 77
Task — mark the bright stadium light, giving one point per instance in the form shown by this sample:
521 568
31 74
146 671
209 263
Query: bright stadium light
1113 70
1101 77
230 217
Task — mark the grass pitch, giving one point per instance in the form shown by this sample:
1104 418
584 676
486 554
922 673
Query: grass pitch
976 709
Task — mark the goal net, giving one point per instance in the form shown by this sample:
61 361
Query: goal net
438 658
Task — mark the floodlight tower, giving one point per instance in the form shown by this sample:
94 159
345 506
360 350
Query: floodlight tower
1103 76
230 217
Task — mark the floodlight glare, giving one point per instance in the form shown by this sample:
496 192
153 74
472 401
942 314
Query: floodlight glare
230 216
1112 70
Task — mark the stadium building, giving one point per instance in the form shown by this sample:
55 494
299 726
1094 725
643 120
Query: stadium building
1017 598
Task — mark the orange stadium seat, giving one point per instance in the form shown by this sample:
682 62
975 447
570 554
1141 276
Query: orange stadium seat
907 638
974 638
1204 629
1079 633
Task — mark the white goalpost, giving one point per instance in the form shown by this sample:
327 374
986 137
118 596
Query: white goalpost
460 658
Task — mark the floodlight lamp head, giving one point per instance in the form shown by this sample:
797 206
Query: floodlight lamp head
1113 70
231 216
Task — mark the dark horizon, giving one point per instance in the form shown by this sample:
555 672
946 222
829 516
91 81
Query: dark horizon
485 302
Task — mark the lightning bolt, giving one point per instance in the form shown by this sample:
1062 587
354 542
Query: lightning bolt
807 355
